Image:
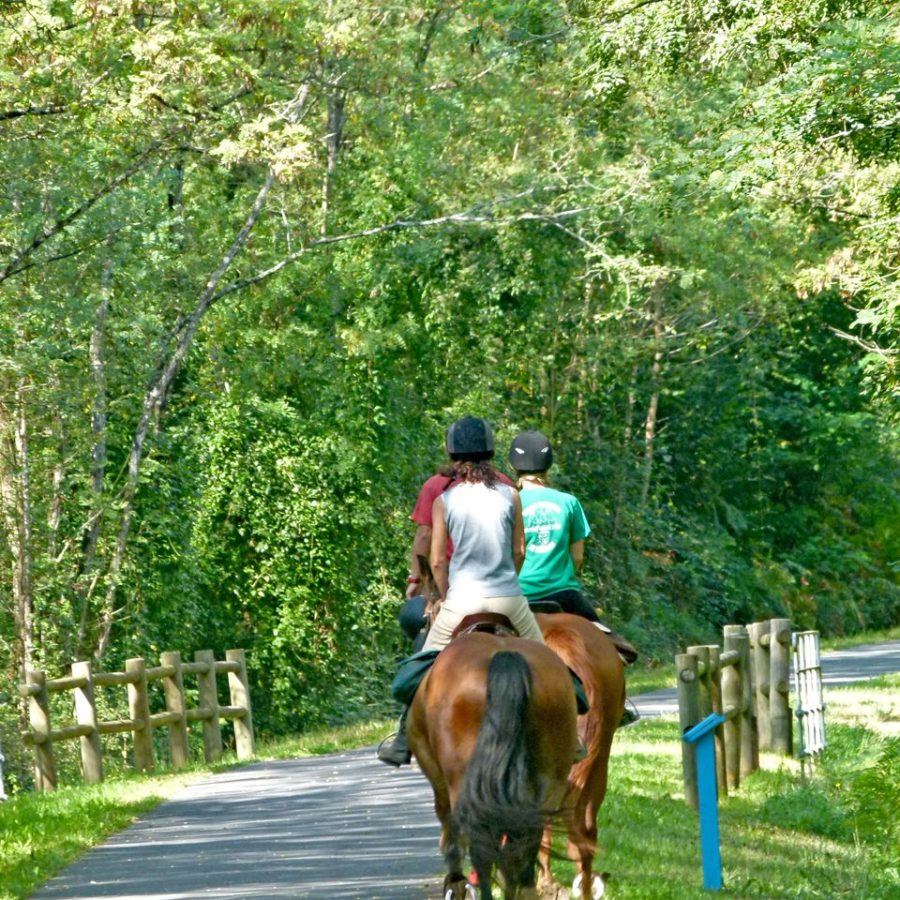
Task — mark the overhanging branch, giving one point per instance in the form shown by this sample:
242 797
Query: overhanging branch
460 218
15 265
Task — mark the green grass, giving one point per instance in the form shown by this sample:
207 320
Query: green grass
866 637
785 833
41 833
831 832
641 678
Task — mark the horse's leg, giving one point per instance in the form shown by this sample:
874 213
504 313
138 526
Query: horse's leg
545 880
455 881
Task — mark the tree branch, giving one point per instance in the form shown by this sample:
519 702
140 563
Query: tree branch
14 266
8 114
868 346
154 399
461 218
615 15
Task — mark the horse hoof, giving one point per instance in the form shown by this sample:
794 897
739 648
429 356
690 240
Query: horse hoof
598 888
469 893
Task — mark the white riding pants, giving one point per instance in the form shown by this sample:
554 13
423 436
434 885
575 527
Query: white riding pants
455 609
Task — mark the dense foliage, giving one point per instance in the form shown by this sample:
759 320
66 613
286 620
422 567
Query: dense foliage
255 257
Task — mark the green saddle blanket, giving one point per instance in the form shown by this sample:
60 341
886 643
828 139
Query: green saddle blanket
410 674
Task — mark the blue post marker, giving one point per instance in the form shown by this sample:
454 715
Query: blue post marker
702 735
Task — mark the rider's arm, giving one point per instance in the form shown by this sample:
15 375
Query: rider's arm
421 546
576 549
439 561
518 535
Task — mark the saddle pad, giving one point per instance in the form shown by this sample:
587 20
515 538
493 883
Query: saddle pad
410 674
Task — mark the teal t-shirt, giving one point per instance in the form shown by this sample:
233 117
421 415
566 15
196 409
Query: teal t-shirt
553 520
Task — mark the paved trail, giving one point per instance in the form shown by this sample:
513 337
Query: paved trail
341 827
337 827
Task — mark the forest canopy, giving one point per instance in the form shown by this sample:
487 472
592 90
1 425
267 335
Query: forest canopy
255 257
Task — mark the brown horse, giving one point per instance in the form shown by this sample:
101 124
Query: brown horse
493 727
591 654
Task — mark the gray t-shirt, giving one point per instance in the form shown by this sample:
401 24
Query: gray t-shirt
480 521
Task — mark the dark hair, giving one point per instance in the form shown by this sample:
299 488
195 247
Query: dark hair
476 471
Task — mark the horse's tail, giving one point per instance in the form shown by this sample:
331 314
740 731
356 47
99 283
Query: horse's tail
499 804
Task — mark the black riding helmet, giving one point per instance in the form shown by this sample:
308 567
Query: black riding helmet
470 438
531 452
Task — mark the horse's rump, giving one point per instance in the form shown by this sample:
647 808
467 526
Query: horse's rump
591 654
493 727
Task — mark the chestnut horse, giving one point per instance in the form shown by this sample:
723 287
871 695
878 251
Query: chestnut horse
493 727
591 654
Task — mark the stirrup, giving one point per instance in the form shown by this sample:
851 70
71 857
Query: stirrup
630 715
391 754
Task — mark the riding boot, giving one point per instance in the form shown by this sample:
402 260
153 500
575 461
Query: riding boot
396 752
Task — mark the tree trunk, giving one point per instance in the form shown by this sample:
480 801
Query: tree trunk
625 455
91 533
153 401
15 496
650 423
333 141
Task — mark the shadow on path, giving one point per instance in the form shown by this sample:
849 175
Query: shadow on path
327 827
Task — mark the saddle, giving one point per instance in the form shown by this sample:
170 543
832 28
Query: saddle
488 622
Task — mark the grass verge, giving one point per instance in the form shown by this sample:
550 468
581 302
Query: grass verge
826 831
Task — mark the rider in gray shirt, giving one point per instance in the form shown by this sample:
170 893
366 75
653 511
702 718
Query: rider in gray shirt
483 519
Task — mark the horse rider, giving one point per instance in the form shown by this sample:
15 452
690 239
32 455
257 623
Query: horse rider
479 516
555 531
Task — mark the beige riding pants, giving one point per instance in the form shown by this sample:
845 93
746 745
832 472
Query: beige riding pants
454 610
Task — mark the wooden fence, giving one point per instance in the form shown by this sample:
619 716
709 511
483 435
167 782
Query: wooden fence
141 723
748 681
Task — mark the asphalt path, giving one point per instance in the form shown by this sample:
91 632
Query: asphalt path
343 827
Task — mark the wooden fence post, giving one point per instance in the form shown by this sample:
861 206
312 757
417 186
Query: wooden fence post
689 715
715 704
39 722
86 714
733 700
759 649
139 708
173 689
209 703
780 681
701 653
239 688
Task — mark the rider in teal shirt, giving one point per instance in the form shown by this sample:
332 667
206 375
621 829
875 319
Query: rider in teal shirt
555 530
554 521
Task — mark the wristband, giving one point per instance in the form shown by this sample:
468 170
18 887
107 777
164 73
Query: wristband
413 579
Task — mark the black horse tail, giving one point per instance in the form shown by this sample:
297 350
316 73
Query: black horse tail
499 806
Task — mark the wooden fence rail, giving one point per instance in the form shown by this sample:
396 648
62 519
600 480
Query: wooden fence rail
136 677
747 681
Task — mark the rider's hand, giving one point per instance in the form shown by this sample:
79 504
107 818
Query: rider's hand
413 590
